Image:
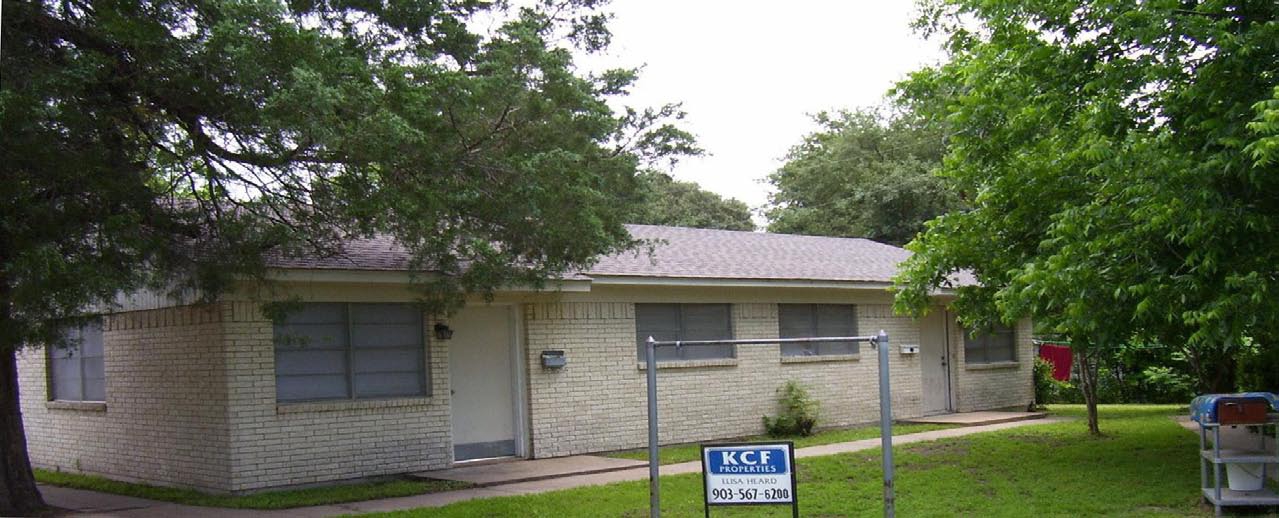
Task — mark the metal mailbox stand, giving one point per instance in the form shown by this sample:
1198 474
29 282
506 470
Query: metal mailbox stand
1218 457
879 342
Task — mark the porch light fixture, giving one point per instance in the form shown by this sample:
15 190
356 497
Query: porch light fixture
442 331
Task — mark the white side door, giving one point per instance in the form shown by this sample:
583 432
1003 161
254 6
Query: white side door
934 359
482 381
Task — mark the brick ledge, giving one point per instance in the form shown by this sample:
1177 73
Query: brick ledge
83 406
690 364
338 406
991 366
815 358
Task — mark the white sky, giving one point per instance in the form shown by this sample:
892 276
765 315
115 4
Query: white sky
749 73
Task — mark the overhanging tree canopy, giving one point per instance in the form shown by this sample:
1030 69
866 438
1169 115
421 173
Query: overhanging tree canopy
1122 157
174 143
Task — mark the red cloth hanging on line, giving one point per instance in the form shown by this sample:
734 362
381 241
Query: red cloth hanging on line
1058 355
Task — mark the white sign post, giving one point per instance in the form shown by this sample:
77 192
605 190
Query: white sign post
749 474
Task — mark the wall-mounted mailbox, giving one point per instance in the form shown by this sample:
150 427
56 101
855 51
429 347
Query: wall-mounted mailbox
910 349
554 359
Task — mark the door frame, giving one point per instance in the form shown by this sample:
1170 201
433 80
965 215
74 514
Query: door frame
948 357
952 400
519 381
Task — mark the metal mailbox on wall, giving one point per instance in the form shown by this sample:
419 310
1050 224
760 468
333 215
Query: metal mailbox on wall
554 359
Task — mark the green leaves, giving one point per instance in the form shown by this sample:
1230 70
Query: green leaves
862 174
659 199
1265 149
1122 162
176 144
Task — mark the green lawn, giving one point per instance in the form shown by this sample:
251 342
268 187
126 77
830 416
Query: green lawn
1145 465
267 500
691 452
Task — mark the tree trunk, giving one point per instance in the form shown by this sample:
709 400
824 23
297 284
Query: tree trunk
1215 367
18 493
1225 378
1088 385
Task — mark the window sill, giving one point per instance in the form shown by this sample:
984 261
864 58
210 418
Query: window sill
817 358
346 404
991 366
83 406
690 364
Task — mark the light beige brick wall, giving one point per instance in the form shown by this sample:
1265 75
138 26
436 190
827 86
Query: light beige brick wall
983 387
598 402
301 443
165 416
191 402
191 393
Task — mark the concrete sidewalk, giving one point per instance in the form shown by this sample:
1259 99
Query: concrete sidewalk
977 418
101 504
513 471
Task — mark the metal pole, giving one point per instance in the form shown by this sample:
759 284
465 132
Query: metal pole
885 404
766 341
654 498
886 423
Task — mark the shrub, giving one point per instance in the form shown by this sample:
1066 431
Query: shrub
1166 385
798 415
1048 389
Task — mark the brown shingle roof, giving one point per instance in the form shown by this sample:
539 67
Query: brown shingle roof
727 254
681 253
380 253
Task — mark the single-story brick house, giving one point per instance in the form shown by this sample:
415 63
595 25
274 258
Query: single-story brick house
217 397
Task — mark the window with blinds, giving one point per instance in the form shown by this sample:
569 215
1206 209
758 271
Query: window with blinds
666 322
327 351
994 346
813 320
77 371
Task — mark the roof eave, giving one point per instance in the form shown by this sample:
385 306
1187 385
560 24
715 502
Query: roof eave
399 277
725 282
582 285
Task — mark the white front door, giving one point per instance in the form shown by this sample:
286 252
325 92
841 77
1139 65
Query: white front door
482 382
934 358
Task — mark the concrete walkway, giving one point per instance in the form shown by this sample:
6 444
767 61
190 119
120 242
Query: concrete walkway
977 418
101 504
512 471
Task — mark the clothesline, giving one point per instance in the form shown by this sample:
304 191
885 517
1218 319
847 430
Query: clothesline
1061 355
1128 346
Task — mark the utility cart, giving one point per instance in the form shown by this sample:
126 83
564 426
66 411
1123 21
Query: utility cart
1245 456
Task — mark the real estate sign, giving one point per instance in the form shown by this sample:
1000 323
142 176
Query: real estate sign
749 474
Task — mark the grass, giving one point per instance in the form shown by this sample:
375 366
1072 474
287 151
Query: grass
283 499
1144 465
676 453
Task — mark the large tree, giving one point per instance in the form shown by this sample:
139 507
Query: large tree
1123 160
172 144
864 173
659 199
